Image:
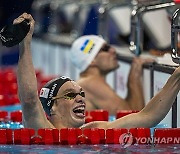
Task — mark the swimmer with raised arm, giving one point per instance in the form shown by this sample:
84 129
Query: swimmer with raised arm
63 99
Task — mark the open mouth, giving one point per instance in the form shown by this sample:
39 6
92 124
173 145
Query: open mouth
79 111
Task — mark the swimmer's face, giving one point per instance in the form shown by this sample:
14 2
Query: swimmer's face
106 59
70 107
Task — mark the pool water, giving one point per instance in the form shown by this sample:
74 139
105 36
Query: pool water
86 149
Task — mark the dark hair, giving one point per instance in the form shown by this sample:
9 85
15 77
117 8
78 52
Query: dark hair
50 90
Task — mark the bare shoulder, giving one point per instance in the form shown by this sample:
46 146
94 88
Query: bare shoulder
94 85
101 95
34 115
89 83
96 90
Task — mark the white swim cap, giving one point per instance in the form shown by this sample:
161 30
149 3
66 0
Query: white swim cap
84 50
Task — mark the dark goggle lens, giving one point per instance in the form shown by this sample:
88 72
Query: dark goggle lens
73 95
82 93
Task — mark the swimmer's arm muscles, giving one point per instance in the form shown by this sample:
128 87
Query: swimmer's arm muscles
33 113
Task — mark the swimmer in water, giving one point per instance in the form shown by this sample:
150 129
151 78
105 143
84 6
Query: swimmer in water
63 99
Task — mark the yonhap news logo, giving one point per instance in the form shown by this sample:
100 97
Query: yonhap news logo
127 139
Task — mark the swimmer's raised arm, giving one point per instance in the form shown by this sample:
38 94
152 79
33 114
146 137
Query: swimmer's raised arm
152 113
33 113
